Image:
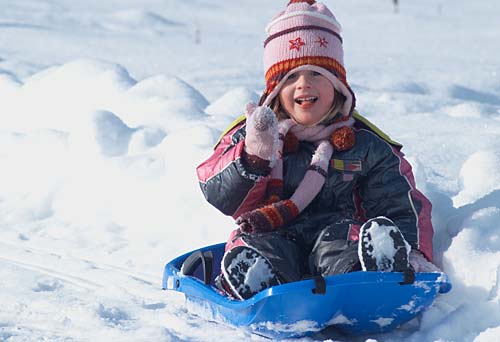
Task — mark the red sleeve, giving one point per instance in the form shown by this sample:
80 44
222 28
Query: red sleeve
225 179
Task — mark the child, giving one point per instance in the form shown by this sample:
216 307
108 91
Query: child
315 189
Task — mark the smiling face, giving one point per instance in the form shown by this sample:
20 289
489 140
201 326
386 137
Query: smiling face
307 96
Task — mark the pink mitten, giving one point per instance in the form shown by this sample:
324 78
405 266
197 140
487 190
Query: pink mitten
261 132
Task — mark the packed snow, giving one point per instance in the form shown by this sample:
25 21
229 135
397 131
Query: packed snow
106 108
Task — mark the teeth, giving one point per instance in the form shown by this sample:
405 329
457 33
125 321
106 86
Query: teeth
303 99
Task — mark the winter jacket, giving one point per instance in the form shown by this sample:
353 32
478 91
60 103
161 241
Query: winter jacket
369 180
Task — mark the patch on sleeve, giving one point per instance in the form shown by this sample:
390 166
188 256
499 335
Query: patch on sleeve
347 165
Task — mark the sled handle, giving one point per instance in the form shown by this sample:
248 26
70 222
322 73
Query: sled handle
192 262
319 285
409 276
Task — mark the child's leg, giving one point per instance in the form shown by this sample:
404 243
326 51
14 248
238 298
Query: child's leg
253 262
333 253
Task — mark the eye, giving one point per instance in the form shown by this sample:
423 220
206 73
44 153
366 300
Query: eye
292 76
315 73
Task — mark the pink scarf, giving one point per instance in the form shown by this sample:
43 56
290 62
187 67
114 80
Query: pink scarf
279 211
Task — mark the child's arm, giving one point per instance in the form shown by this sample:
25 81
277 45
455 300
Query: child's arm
234 179
389 190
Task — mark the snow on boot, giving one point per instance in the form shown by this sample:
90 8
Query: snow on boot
246 272
382 247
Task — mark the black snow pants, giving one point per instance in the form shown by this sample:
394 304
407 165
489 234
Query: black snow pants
297 255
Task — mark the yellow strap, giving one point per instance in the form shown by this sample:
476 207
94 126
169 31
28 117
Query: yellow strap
231 126
355 114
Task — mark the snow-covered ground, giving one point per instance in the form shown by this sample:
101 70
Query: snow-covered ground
106 107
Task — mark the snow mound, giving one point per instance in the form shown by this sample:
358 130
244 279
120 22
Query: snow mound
85 74
163 101
62 96
232 103
144 138
57 97
110 133
474 254
479 176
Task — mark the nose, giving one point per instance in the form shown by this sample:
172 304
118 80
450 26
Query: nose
303 81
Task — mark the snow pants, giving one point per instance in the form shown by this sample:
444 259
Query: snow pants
301 255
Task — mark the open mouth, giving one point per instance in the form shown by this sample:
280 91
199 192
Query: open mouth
306 100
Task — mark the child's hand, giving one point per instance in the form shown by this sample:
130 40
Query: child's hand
268 218
255 222
261 132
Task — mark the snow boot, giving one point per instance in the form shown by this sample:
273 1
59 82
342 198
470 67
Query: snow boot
382 247
245 272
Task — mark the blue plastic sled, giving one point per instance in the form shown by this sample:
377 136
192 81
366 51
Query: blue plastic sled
353 303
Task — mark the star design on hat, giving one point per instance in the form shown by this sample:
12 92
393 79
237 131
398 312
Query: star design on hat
296 44
322 41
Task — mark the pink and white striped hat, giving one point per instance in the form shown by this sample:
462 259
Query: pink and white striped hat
305 36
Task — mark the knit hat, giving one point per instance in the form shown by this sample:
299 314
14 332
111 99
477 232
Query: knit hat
305 36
